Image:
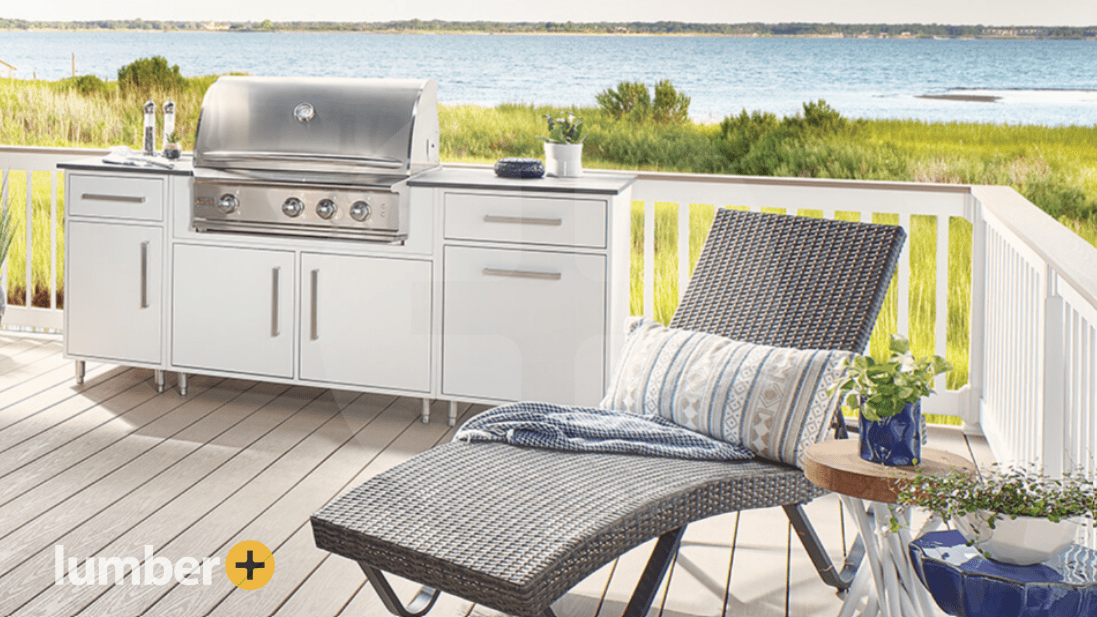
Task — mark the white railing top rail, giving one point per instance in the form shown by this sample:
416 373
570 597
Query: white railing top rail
1072 258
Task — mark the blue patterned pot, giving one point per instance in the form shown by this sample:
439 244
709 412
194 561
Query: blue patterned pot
895 441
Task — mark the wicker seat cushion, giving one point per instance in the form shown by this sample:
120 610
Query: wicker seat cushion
514 528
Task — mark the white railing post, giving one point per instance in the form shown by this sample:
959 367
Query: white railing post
649 258
683 248
1054 369
977 340
28 224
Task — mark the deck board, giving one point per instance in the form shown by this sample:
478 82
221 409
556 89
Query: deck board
107 467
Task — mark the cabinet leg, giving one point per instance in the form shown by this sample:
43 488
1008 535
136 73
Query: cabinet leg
426 410
452 413
79 372
182 384
159 381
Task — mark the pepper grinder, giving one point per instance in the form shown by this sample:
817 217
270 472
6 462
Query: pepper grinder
150 128
169 122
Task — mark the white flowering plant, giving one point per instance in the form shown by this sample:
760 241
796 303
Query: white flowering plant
564 129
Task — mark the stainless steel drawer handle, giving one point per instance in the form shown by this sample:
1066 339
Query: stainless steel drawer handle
129 199
274 276
522 220
523 274
314 325
144 275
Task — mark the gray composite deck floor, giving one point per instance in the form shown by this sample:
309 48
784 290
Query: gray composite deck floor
106 468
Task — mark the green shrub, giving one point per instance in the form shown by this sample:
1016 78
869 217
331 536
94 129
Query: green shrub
739 133
88 85
631 99
669 105
148 74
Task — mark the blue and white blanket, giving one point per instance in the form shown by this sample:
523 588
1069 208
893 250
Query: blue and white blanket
589 429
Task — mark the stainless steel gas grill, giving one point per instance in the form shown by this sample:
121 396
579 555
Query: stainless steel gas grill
319 157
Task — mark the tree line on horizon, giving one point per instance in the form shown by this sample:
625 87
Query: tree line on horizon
552 27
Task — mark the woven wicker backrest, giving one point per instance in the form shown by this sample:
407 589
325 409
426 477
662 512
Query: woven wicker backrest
791 281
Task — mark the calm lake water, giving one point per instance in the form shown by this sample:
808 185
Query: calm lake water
1035 82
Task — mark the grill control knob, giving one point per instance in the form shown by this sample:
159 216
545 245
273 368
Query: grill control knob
293 207
325 209
228 203
360 211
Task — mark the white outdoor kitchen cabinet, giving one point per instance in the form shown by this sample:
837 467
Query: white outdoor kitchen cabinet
114 274
505 289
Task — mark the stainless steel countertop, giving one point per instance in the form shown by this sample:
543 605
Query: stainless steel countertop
478 178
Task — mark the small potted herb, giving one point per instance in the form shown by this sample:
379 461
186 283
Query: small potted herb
1012 515
889 397
172 148
564 146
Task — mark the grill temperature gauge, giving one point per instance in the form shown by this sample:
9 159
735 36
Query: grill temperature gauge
325 209
360 211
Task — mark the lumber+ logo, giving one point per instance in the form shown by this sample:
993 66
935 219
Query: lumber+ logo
249 565
112 570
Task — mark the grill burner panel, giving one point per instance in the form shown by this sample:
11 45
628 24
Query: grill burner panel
317 157
259 209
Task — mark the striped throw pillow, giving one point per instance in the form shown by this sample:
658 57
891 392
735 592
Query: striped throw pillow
772 400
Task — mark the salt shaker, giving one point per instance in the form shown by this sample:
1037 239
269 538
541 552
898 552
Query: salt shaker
169 122
150 128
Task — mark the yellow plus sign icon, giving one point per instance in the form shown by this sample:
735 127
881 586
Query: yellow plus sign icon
249 564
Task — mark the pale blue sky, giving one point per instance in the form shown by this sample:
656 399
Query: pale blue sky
987 12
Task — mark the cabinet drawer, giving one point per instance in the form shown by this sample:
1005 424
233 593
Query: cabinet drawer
116 197
523 325
521 218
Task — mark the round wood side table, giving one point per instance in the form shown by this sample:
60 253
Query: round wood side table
837 466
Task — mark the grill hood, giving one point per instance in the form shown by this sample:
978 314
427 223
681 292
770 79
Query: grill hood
380 127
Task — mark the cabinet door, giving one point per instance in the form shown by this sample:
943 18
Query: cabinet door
365 321
233 310
113 293
523 325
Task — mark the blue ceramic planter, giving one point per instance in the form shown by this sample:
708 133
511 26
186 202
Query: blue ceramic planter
966 585
896 440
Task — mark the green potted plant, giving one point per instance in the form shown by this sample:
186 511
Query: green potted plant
172 149
7 234
889 398
564 146
1012 515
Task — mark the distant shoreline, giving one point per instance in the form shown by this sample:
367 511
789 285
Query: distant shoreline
547 28
491 33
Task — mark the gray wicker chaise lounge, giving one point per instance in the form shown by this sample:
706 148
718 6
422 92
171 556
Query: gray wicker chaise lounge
515 528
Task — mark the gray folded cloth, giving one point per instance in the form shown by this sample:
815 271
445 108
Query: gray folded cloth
589 429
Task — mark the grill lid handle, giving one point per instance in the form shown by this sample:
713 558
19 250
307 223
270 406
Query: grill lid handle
239 156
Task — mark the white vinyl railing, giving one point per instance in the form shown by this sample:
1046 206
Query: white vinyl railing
898 202
32 174
1032 325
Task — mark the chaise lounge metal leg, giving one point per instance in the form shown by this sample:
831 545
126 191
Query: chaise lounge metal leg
423 601
79 372
658 564
818 554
